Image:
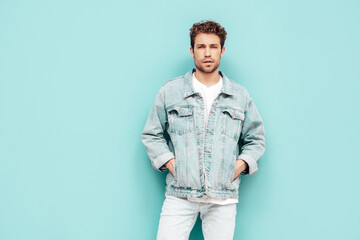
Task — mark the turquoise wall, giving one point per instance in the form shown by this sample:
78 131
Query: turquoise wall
78 78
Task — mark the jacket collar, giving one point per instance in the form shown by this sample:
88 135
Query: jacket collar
189 88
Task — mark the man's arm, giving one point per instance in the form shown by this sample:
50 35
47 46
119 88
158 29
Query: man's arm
252 138
153 134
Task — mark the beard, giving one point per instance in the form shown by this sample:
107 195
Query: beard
211 70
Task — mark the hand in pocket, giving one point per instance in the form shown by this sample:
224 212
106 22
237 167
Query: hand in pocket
171 165
240 166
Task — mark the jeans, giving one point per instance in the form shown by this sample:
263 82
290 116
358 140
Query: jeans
178 217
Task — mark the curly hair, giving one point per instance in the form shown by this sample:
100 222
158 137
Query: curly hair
207 26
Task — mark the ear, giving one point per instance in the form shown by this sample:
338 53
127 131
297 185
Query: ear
191 51
223 50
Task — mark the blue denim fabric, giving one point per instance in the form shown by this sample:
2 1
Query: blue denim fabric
205 158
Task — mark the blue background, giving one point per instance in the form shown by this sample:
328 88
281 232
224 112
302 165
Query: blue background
78 78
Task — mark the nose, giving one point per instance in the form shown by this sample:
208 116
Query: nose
207 52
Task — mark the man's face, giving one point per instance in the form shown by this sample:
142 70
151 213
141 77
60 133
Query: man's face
207 52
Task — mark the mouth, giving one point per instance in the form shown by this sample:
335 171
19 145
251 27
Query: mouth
208 62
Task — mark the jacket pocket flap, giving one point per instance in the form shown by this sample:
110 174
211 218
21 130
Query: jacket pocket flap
235 113
181 111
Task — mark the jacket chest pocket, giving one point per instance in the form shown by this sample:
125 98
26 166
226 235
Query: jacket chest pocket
231 122
180 120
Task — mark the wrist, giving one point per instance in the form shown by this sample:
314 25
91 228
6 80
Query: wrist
245 167
167 164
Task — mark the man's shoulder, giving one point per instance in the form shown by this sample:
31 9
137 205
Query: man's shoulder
174 81
238 88
174 84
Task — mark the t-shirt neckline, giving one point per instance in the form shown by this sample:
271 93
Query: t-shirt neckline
204 86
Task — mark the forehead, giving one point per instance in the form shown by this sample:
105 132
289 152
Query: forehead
207 38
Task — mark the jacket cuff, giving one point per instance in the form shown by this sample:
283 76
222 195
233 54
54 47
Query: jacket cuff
159 162
251 163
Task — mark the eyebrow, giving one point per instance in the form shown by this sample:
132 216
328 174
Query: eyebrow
202 44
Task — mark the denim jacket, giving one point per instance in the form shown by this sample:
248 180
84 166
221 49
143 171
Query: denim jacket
205 157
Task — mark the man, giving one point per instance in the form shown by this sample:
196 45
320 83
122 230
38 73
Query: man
215 134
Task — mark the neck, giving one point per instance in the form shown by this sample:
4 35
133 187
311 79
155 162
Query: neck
208 79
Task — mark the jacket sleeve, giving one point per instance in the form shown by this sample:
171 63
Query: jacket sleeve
153 134
252 138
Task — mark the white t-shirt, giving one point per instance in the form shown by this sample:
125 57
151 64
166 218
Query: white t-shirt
209 94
